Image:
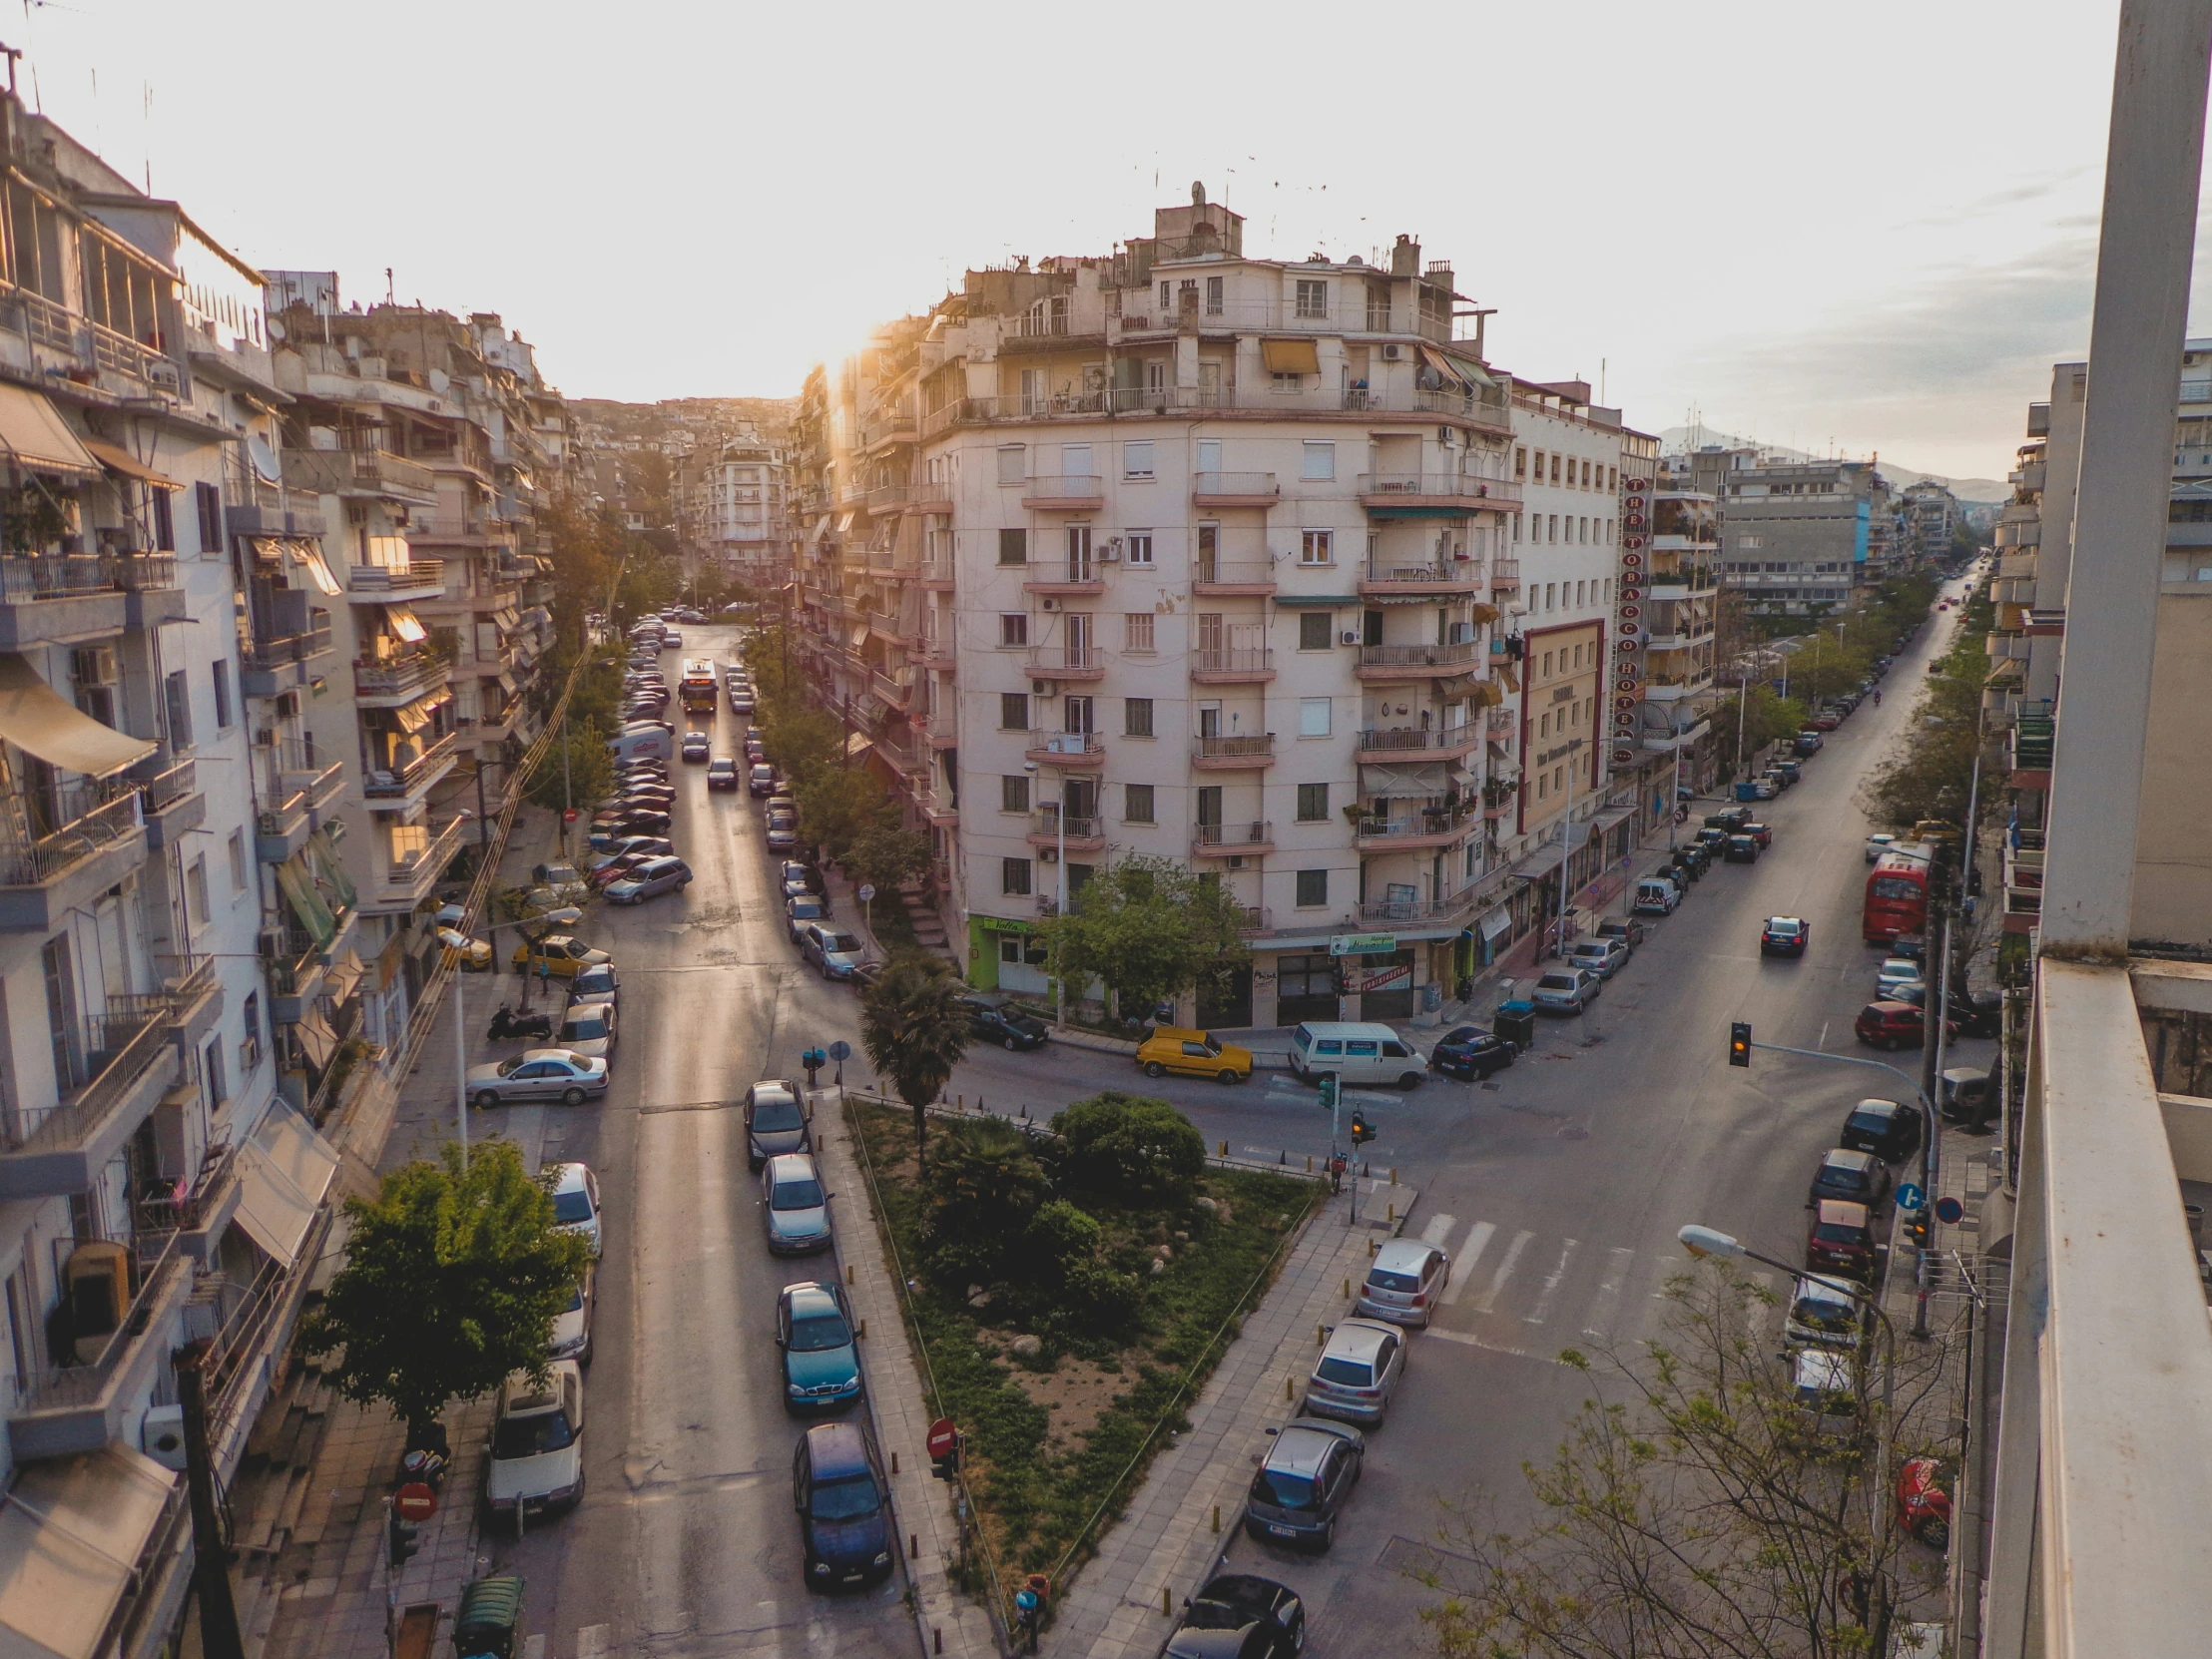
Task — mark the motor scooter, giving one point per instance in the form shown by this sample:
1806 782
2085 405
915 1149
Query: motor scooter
1924 1507
507 1026
426 1456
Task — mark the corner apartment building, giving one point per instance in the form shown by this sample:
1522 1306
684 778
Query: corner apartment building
1801 536
1188 553
732 509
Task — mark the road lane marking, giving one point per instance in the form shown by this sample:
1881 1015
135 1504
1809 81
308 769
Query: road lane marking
1609 1302
1489 1298
1822 1043
1439 1228
1471 1250
591 1640
1467 1339
1551 1285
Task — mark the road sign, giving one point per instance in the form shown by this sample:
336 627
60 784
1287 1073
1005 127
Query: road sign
840 1052
942 1438
1909 1197
416 1501
568 815
868 891
1950 1211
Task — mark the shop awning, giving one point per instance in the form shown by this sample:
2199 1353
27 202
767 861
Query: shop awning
40 720
1496 922
405 624
1289 356
37 439
283 1171
1438 361
118 459
316 1037
72 1531
297 881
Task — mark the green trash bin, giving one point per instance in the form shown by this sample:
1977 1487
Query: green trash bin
1516 1023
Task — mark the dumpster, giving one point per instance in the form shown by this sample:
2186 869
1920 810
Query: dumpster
489 1624
1747 792
1516 1023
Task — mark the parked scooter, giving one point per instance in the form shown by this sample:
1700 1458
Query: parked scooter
1923 1506
426 1456
506 1025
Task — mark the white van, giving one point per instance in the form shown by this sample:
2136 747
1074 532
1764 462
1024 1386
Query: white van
1657 897
642 743
1358 1053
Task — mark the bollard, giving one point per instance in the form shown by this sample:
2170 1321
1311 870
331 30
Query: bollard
1164 1602
913 1546
1370 1247
1392 1214
1321 1335
851 1273
1283 1158
863 1328
1225 1149
1309 1163
1394 1175
937 1641
1217 1517
1287 1389
1348 1287
895 1462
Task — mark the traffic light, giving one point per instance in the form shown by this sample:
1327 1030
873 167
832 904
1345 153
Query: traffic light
401 1538
1329 1091
1739 1043
946 1464
1361 1131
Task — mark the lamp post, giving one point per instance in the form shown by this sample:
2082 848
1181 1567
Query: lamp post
457 941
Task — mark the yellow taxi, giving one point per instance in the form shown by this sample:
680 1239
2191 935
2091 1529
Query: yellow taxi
559 954
1188 1053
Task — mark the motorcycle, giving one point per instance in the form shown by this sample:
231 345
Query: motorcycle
1924 1507
506 1025
426 1456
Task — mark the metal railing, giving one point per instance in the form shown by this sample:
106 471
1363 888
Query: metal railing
1235 483
1046 820
33 576
416 573
291 648
357 472
1459 572
386 783
1506 573
427 862
1256 746
169 782
1048 660
1251 832
1226 572
70 1385
1064 486
1421 909
1503 493
1430 821
1463 655
106 1054
1065 743
46 832
1258 660
1421 739
122 355
1142 401
397 675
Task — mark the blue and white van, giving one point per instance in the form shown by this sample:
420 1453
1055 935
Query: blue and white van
1358 1053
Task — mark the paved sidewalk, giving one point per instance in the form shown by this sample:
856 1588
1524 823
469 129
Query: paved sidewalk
1166 1543
898 1398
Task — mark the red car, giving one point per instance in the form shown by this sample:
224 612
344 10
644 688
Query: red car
1826 723
1888 1024
1841 1240
1759 833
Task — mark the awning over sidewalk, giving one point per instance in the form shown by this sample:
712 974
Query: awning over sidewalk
37 439
39 720
72 1534
283 1171
118 459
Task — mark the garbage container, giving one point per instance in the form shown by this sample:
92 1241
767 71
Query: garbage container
1431 999
1516 1023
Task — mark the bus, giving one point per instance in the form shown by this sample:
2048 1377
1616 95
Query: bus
698 689
1896 892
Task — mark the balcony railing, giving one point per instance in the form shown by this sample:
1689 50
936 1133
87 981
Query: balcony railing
1246 485
416 573
270 655
1488 408
1426 821
1506 573
106 1054
1217 572
153 1281
1421 739
1420 910
46 832
1245 833
1458 486
1256 746
396 676
1257 660
33 576
1064 660
1046 821
1456 572
388 785
1071 486
1065 743
358 472
1463 655
169 783
412 866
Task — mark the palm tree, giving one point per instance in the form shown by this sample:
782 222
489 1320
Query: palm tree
914 1031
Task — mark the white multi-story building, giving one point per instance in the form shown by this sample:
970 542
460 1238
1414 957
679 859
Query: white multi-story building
735 512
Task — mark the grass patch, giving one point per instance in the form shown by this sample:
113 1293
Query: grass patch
1054 1435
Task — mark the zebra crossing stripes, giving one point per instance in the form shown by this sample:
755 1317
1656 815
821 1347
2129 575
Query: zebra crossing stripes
1607 1307
1551 1285
1489 1298
1470 1251
1439 1231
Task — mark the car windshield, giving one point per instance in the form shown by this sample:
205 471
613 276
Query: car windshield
801 1194
846 943
1353 1373
1286 1491
776 1115
583 1029
1555 982
1383 1280
803 907
848 1497
507 1067
532 1436
1830 1232
572 1206
823 1330
575 1299
1821 1315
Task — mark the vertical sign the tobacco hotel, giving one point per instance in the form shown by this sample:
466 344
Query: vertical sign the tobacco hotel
1628 617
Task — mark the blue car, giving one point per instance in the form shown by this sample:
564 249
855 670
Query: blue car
843 1505
1470 1052
821 1363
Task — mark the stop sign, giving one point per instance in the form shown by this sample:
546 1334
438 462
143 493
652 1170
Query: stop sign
942 1438
415 1502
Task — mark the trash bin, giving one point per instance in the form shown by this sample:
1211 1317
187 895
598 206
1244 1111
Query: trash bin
1431 999
1516 1023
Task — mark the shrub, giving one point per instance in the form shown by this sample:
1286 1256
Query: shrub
1128 1149
984 1186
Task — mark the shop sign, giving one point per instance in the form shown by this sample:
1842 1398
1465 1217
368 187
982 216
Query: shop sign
1362 944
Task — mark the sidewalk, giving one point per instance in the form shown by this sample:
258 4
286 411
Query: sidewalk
1166 1543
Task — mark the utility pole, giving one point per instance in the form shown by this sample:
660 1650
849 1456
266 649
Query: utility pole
218 1616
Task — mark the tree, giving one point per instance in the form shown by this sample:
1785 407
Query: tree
914 1031
1766 716
575 769
1128 1148
888 856
803 742
1704 1511
839 804
450 1286
1148 928
984 1184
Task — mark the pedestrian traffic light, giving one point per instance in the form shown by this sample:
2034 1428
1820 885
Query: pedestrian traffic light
401 1538
1361 1131
1329 1091
1739 1043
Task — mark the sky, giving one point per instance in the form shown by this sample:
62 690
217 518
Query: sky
1868 230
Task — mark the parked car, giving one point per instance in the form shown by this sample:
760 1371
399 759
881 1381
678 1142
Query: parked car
1825 1388
761 779
560 954
1471 1054
1858 1177
1404 1281
589 1028
1978 1015
570 1338
1890 1024
774 1122
1193 1054
1566 990
671 641
1741 849
619 868
536 1460
798 876
1827 721
1885 1128
995 1018
1356 1372
1826 1311
783 832
1603 958
1657 895
843 1504
1240 1616
698 748
1626 929
1784 936
1841 1240
650 879
1304 1481
576 1205
609 828
794 1207
1760 833
813 1337
834 955
538 1074
741 701
1728 820
801 911
1895 971
598 983
722 772
564 879
1807 743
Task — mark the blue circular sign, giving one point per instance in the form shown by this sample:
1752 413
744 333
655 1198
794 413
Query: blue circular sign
1950 1211
1909 1197
840 1051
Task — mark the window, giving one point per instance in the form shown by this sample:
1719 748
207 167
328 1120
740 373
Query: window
1317 547
1136 803
1312 298
238 861
1750 541
1137 547
1013 711
1135 716
165 526
1135 631
211 1064
1136 460
208 498
1212 295
1013 628
1013 547
1313 889
1013 877
1316 629
1585 475
221 693
177 695
1520 461
249 1046
1547 664
1551 530
1371 628
1013 464
1313 802
1013 793
1312 717
196 894
1167 297
1076 714
1555 459
1318 461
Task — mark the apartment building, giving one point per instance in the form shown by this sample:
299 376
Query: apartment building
733 511
1670 607
1802 536
1930 518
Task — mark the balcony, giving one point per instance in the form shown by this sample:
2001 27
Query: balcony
252 507
1213 578
1382 748
417 579
399 680
1384 491
1228 668
1067 662
284 664
2046 624
1447 578
171 801
407 882
61 848
1234 754
1234 489
408 782
1425 912
1252 838
1427 827
368 474
1504 573
1420 662
1085 749
82 1407
118 1064
68 596
1064 492
1077 578
460 530
1084 835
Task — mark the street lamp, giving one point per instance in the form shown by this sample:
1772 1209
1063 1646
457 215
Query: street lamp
1060 903
458 943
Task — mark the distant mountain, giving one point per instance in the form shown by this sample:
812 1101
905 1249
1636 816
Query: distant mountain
1680 440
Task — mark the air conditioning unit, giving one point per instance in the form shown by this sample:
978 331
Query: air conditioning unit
1236 862
1048 855
1040 688
1391 353
1052 604
266 737
93 664
287 705
1350 636
273 943
166 377
1110 554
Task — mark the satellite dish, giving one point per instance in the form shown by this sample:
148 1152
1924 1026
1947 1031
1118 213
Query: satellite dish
264 458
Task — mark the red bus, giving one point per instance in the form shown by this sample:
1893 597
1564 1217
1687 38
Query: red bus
1897 894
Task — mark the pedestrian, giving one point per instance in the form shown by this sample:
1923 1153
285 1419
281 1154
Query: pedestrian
1335 1172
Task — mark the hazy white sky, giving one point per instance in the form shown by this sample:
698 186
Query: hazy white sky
1872 225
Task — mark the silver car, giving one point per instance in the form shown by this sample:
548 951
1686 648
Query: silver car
1895 971
794 1207
655 876
1357 1371
1404 1282
588 1028
538 1074
836 954
1603 958
1566 990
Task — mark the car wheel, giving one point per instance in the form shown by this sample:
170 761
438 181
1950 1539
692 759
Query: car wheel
1327 1539
1935 1533
1153 1068
1225 1075
1409 1082
486 1099
572 1096
1012 1047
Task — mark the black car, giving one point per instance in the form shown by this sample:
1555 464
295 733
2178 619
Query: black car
1239 1616
1980 1016
997 1021
1783 936
844 1504
798 877
1469 1054
1885 1128
1742 850
722 772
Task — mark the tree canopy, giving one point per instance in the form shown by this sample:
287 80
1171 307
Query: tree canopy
1147 928
914 1030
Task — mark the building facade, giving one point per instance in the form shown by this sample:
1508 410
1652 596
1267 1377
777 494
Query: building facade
1802 537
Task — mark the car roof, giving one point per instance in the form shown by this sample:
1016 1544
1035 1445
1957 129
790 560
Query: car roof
1844 1212
572 1178
1822 1368
1846 1158
520 1395
1356 1340
556 1054
1879 1108
1785 921
809 1297
1404 1255
1300 1445
775 1085
799 1166
836 1448
1840 1289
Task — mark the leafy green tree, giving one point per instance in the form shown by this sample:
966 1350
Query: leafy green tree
1128 1149
589 774
839 804
888 856
803 742
1147 928
914 1031
451 1284
1766 716
983 1186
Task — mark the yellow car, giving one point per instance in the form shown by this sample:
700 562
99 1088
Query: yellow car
558 954
1193 1054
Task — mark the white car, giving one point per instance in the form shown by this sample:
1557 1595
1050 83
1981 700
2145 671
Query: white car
537 1445
570 1338
576 1204
588 1028
1879 845
793 1206
1565 990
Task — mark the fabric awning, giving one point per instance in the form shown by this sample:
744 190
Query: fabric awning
1437 361
413 717
316 1037
37 439
1496 922
308 557
40 720
507 682
857 745
118 459
822 528
2010 668
345 973
297 884
72 1534
405 624
860 635
1474 374
1289 356
1335 601
285 1171
328 870
1403 783
845 524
